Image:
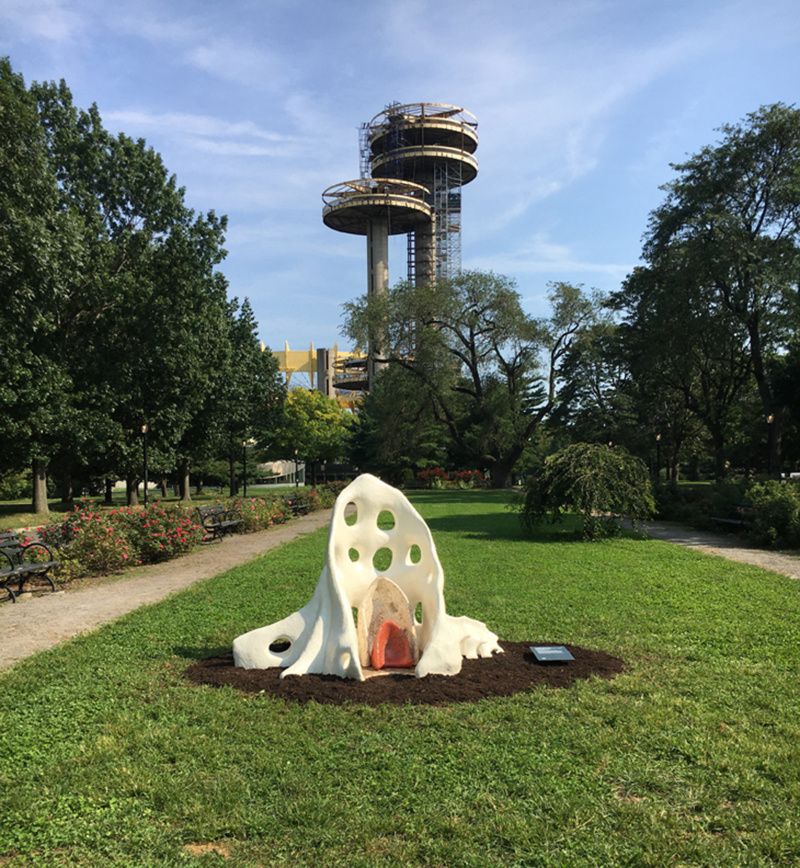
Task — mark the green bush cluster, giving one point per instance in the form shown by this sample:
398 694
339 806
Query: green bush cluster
600 483
92 541
775 513
769 510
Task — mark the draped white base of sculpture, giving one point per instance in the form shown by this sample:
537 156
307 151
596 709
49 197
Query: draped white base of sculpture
322 636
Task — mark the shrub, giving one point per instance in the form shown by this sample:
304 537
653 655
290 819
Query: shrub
90 543
259 513
775 519
602 484
15 486
159 533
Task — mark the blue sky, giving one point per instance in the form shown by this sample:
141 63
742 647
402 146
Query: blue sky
255 106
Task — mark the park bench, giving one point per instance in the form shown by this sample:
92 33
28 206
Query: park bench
745 513
297 505
217 520
20 562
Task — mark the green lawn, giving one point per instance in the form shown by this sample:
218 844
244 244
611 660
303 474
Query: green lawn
108 756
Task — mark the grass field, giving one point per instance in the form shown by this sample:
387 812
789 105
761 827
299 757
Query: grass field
108 756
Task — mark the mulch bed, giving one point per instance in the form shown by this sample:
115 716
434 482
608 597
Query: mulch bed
501 675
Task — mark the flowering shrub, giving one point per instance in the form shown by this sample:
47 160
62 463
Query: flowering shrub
93 541
432 477
159 533
259 513
90 543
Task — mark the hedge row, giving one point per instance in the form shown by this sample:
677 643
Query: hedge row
94 541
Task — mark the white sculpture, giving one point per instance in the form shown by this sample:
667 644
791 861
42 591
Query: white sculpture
322 637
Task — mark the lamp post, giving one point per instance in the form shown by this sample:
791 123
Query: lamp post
245 444
296 471
770 436
144 429
658 458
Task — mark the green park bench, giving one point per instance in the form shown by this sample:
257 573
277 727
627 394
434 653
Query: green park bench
216 521
21 562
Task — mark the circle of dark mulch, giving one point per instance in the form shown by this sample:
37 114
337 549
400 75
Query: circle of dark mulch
500 675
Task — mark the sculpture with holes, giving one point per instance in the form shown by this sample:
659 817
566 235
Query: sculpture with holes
387 574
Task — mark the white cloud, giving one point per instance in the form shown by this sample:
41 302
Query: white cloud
541 255
51 20
193 124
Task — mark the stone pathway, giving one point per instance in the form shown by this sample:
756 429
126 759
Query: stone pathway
36 623
729 547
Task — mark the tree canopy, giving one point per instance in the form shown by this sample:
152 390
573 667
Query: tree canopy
485 370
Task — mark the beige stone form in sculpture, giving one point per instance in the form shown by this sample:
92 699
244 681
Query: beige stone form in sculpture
322 637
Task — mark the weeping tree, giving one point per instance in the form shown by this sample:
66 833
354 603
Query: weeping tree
488 371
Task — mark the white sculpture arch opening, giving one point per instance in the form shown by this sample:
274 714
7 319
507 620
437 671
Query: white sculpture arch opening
322 637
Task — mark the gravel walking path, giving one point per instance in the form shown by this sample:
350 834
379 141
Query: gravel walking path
729 547
36 623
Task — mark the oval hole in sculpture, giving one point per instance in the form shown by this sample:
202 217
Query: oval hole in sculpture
415 554
382 559
418 613
386 520
279 645
353 554
350 514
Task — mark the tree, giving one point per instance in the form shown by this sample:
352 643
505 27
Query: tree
35 240
734 210
395 431
314 428
249 391
489 371
601 483
681 344
140 315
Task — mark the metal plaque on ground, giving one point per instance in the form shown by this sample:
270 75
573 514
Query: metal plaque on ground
551 653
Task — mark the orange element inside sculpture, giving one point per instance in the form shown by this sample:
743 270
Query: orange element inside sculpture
391 648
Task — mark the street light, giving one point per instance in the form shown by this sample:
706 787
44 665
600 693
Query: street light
144 429
296 471
770 436
245 444
658 458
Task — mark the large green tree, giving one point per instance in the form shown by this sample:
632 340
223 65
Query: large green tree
489 371
314 428
139 319
249 392
734 211
37 246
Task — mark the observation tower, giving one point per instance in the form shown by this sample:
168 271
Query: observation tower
414 160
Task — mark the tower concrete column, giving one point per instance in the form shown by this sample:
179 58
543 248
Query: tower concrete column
378 285
425 253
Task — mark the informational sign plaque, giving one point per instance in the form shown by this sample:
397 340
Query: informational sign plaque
551 653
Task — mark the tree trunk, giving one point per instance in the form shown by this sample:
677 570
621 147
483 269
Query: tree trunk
198 487
163 486
183 480
65 488
132 491
720 470
40 504
775 437
501 475
314 474
109 496
768 403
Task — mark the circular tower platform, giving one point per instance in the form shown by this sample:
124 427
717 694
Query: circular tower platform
410 141
353 206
